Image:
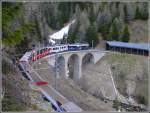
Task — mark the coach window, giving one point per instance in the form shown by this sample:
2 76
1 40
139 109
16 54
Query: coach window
45 49
37 52
59 104
41 51
54 107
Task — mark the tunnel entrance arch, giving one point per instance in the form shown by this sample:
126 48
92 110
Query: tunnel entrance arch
73 66
87 59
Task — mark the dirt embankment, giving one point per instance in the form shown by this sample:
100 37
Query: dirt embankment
17 94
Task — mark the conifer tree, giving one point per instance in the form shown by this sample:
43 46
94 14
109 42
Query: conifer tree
114 32
10 12
92 16
137 13
126 34
109 36
72 34
92 35
64 12
126 15
145 11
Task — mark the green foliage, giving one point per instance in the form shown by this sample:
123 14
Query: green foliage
6 68
145 12
117 9
9 12
13 38
116 104
58 14
142 100
84 5
114 32
64 40
92 16
104 30
137 13
141 14
64 12
51 17
103 5
92 35
126 34
72 35
10 104
126 15
109 35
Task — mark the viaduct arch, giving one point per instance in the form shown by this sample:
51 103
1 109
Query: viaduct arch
70 64
87 59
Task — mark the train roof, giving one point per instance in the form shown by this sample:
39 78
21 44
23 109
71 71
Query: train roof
79 44
51 46
142 46
25 56
57 45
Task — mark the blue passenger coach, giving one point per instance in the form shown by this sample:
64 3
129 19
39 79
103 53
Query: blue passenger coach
75 47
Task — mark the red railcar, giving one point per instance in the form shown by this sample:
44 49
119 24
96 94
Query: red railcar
40 83
40 53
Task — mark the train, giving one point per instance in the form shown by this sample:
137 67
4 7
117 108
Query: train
36 54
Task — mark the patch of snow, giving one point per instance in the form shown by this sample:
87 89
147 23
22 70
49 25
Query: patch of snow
51 41
60 34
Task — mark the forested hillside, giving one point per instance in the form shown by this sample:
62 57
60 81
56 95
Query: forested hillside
28 24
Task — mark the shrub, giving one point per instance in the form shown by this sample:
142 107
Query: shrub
126 34
92 36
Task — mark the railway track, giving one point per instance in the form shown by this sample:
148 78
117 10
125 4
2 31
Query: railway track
48 92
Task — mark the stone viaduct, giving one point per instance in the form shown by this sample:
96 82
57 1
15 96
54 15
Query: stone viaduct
70 63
